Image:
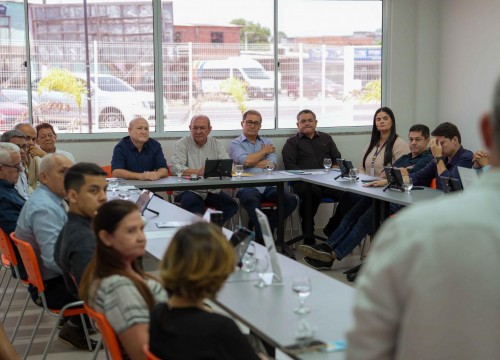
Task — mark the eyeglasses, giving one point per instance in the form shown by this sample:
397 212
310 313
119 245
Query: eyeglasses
19 166
252 123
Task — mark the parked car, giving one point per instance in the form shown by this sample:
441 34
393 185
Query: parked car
114 103
11 113
312 88
175 87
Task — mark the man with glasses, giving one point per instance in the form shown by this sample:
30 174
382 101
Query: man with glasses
18 138
46 138
137 156
255 153
11 202
307 150
35 154
189 157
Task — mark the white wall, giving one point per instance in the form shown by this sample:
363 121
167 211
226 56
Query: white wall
470 54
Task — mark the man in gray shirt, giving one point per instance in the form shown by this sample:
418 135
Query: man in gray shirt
189 156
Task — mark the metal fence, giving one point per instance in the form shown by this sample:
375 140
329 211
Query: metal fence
328 79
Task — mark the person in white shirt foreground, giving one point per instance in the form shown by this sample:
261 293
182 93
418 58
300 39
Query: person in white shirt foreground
428 290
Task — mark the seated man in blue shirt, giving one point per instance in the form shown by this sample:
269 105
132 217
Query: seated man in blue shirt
358 221
137 156
254 153
40 222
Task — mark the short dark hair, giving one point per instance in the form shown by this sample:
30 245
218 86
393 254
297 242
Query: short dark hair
252 112
423 129
44 126
306 111
447 130
75 176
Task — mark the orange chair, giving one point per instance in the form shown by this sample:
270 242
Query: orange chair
107 168
106 331
32 267
149 354
433 184
9 258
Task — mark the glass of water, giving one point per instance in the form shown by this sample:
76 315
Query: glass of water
327 163
353 174
301 286
269 167
238 170
113 185
407 184
179 172
261 265
248 261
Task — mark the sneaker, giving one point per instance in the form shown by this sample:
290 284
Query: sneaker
318 265
75 336
321 252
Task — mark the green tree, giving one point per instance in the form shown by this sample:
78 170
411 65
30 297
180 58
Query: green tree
252 33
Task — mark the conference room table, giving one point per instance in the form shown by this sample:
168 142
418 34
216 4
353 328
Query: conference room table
277 179
269 311
280 179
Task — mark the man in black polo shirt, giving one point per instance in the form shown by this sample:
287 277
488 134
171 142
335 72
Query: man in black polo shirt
137 156
307 150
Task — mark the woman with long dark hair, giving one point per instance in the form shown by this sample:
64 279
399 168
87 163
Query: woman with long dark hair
114 284
383 139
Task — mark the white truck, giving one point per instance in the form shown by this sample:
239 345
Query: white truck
209 75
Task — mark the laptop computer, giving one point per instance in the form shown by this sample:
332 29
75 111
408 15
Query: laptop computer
270 246
143 200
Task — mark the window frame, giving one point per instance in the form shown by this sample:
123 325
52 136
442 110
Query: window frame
161 134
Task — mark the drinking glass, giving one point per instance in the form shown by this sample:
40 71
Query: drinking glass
269 167
124 194
407 184
113 185
238 170
179 172
353 174
301 286
249 259
261 265
327 163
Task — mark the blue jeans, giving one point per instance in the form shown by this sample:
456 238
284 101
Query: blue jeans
251 198
194 203
356 224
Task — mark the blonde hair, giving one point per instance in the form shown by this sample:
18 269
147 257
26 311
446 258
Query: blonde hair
197 262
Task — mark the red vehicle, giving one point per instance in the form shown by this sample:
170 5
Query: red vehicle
11 113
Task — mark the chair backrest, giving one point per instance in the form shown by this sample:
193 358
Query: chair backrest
149 354
107 332
7 248
30 262
107 168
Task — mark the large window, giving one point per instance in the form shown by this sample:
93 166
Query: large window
92 70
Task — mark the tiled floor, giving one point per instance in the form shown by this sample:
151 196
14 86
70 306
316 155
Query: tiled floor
63 351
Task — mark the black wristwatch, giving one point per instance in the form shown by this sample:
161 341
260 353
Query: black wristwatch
437 158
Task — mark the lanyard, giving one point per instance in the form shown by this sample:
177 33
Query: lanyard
377 151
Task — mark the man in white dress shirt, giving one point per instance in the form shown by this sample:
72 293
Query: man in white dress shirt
429 288
190 154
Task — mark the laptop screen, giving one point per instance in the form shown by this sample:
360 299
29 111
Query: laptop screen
143 200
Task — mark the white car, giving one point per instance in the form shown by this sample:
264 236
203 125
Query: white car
114 103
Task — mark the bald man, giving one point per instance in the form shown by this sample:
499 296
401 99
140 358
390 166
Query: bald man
137 156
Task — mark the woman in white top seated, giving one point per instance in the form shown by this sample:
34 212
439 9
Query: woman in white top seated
113 283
